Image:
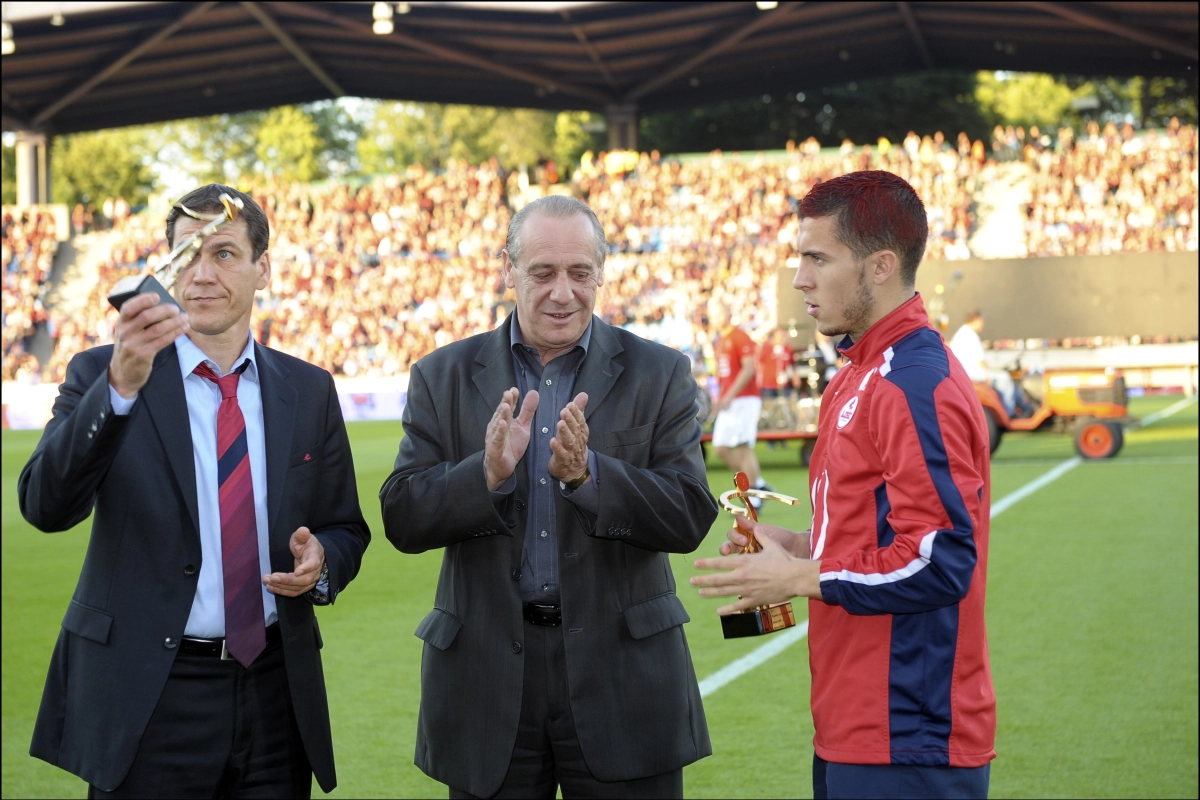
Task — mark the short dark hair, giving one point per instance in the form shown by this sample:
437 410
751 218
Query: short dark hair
207 200
875 210
974 316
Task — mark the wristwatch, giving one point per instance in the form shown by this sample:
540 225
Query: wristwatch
315 595
577 482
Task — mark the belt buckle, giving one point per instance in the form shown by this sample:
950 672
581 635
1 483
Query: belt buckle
225 656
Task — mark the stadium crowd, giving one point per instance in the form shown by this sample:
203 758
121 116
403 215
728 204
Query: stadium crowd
367 279
30 241
1113 192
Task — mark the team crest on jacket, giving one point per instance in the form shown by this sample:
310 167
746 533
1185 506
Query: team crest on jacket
847 412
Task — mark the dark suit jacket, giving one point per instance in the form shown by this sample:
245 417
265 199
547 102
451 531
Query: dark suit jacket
633 689
122 629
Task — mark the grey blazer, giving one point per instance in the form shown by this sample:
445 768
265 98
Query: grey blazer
633 690
122 628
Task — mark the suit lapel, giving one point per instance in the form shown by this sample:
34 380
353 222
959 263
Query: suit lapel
599 371
166 404
279 422
495 357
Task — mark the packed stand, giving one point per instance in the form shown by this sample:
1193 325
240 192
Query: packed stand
367 279
29 244
1113 192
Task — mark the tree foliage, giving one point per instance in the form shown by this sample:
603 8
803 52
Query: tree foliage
98 164
858 110
399 134
288 144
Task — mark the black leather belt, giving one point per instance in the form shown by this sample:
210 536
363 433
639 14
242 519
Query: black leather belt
191 646
539 614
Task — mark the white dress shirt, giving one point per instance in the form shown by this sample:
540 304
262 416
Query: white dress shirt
966 345
207 618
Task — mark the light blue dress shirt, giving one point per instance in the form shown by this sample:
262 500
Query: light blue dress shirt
207 618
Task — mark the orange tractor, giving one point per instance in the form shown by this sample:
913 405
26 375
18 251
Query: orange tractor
1089 403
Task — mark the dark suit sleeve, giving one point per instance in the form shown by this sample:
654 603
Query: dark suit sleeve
339 524
430 501
667 505
57 488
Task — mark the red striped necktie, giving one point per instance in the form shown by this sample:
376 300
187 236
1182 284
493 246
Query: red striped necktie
245 628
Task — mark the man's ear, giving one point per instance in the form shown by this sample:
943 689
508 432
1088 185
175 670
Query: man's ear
884 266
506 270
264 271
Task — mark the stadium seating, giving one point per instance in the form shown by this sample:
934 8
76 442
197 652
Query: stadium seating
366 279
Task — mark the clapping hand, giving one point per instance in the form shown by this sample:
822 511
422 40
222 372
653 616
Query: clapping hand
507 437
569 447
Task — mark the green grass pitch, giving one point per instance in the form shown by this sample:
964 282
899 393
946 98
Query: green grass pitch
1092 622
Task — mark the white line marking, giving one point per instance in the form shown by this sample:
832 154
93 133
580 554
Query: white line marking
783 641
737 669
1170 410
1011 500
1102 462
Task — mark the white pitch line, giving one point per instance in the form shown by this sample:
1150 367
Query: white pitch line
774 647
1008 501
1170 410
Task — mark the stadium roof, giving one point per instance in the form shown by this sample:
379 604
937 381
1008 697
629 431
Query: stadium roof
113 64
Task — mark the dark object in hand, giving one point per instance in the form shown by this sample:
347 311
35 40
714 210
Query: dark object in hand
134 285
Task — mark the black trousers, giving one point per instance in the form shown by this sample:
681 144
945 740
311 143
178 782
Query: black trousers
547 755
221 730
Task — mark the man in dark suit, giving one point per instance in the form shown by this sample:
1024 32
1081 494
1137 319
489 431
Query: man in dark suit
555 654
188 664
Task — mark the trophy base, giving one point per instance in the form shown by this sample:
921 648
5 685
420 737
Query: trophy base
758 622
134 285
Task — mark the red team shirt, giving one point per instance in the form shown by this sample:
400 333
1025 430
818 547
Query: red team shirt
773 361
734 345
900 492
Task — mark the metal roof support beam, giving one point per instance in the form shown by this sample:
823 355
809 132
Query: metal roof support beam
293 47
760 21
116 66
591 51
450 54
910 22
1075 13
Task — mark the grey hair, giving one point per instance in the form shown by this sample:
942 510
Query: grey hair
556 206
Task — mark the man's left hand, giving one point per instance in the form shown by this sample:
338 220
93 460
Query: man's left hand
759 579
310 561
569 447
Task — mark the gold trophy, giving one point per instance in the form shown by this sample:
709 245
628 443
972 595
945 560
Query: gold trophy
764 619
179 258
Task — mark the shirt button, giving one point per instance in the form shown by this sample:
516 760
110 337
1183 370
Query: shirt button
545 586
190 569
170 642
543 481
544 534
516 647
516 574
545 430
547 381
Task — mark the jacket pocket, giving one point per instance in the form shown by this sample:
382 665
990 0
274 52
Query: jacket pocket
627 437
655 615
90 623
438 628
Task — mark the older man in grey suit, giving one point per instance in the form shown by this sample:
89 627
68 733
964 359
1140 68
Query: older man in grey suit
554 654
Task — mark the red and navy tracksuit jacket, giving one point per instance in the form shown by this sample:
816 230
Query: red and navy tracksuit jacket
901 496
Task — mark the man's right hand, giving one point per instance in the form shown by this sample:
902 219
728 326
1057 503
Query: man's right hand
797 545
507 437
145 327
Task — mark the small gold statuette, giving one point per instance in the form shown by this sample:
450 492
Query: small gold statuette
764 619
179 258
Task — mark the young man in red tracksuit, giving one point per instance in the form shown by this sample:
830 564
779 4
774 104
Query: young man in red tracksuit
896 561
